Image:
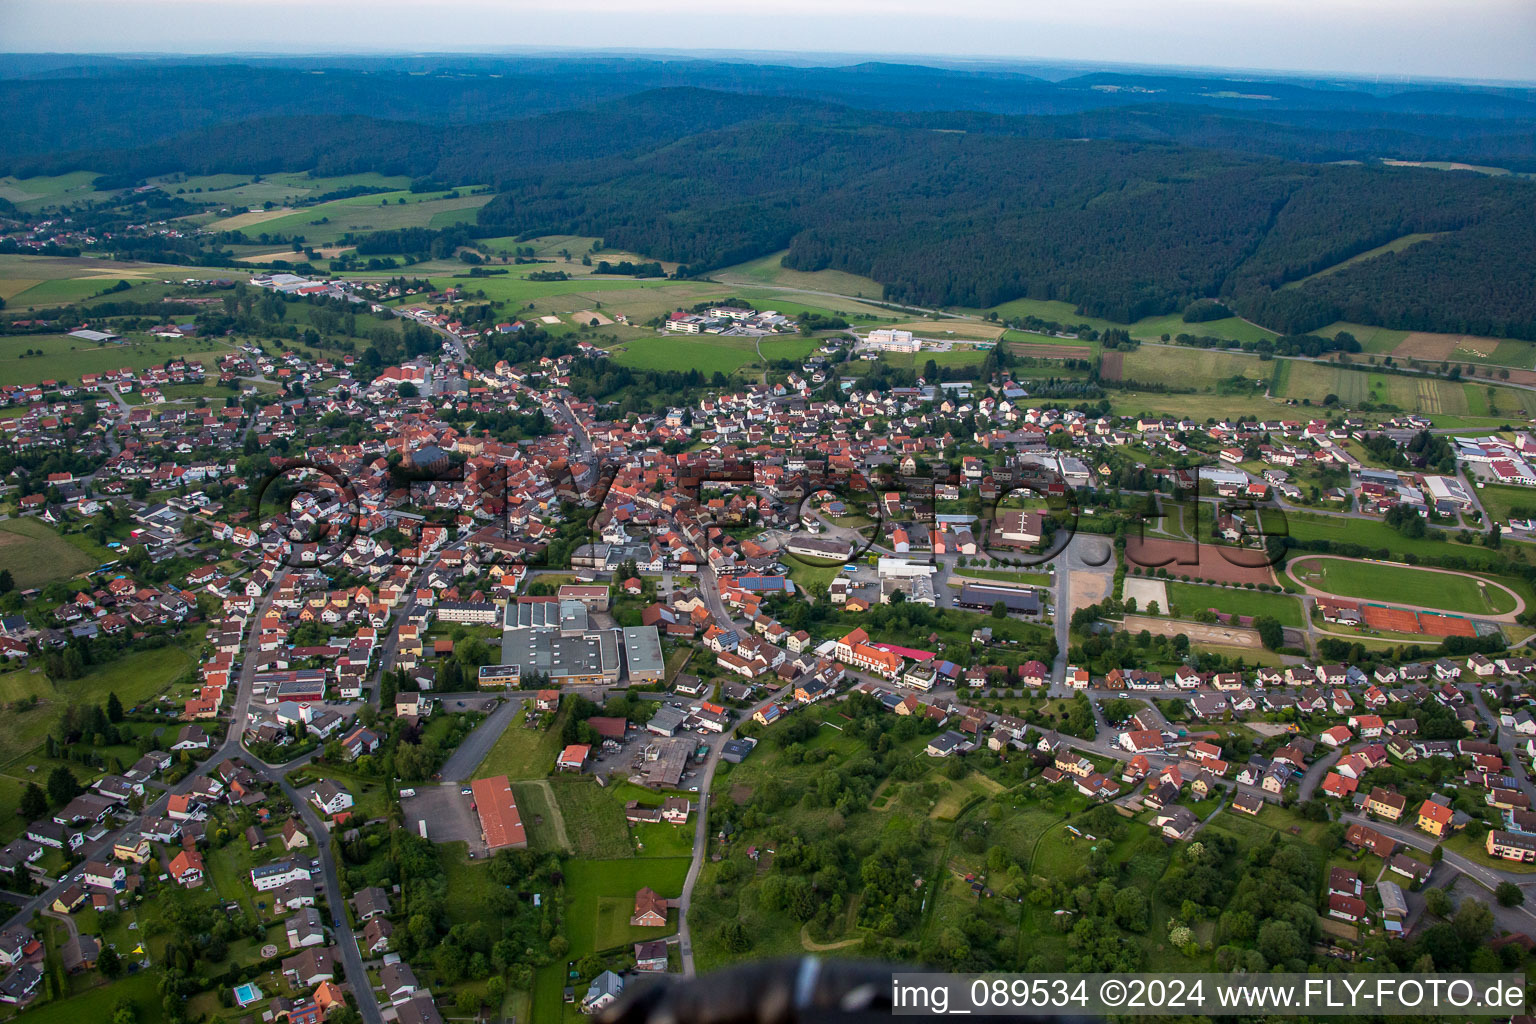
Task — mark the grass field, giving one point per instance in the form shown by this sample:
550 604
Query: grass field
1196 368
1373 534
59 292
1188 598
600 896
708 355
594 820
1500 500
1036 579
1401 584
378 212
1396 245
31 194
65 358
522 753
769 271
37 554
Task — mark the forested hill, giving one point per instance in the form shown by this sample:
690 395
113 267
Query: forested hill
1122 230
1111 209
54 105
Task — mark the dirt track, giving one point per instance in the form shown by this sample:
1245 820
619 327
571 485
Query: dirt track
1198 632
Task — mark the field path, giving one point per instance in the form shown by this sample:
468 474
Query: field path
820 947
555 817
1509 616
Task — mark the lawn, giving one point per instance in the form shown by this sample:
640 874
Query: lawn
600 896
36 554
1188 598
1402 584
1036 579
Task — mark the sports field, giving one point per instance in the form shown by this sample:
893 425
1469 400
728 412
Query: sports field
1188 598
1198 561
1401 584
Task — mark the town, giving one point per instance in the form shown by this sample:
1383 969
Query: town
417 606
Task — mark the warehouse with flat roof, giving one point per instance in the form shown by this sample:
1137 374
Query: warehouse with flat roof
643 661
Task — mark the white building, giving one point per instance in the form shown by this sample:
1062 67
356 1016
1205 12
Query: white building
885 339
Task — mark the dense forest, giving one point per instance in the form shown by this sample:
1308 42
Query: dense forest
968 208
61 103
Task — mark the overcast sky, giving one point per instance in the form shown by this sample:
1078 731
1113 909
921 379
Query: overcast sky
1476 39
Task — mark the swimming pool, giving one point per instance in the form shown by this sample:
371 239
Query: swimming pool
246 994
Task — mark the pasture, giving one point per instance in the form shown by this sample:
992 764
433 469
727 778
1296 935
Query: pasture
1402 584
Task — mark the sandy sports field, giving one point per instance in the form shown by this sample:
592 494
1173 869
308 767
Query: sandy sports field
1198 632
1206 561
1145 591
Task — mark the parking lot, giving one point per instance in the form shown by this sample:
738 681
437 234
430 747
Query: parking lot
447 813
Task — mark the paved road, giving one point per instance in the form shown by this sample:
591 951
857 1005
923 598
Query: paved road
1315 772
1508 744
463 761
701 837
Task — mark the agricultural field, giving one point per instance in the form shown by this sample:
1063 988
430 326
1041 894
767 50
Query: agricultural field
1187 598
64 358
1201 369
33 194
327 222
37 554
768 272
707 354
1403 584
